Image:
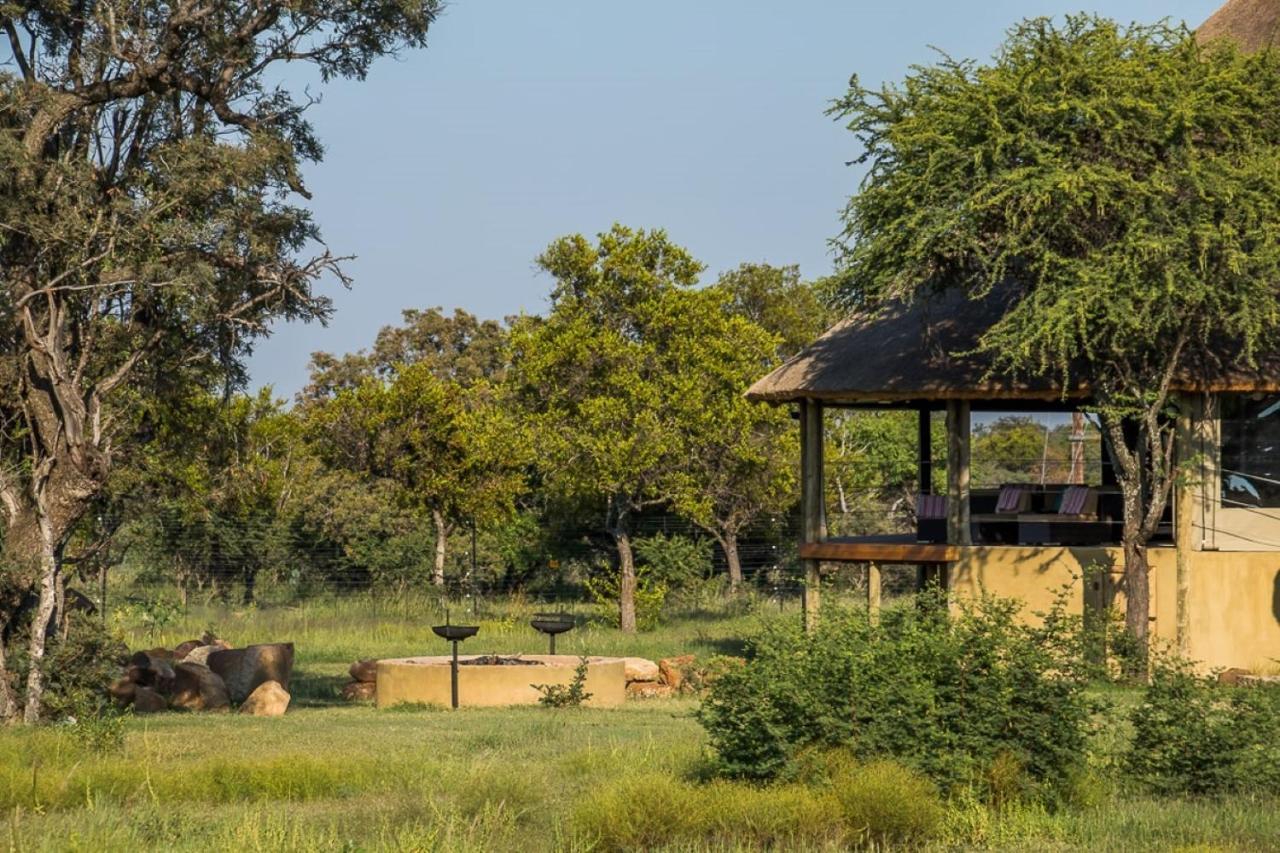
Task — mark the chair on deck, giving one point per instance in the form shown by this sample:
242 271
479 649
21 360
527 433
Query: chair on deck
1014 499
931 506
1078 503
931 517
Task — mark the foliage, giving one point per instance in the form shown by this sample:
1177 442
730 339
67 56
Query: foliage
460 348
949 695
1112 191
775 299
570 695
1192 736
674 560
451 451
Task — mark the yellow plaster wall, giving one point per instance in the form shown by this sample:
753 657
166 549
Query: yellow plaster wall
1234 597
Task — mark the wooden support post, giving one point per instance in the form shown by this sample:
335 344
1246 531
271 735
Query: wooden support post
924 432
812 503
957 478
873 591
924 449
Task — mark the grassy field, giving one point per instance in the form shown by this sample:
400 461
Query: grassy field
331 776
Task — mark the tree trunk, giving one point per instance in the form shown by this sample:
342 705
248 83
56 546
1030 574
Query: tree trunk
442 543
729 544
40 622
621 533
250 578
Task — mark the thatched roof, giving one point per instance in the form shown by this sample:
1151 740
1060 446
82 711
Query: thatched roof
900 353
1252 24
907 354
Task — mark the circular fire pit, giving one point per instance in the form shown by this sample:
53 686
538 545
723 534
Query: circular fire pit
492 680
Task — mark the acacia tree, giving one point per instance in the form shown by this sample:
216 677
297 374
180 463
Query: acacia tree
150 231
1122 184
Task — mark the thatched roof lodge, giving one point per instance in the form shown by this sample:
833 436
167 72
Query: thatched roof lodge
1215 565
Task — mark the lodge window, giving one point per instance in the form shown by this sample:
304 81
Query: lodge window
1250 450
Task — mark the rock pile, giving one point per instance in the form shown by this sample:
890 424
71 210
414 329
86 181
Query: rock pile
661 680
364 681
207 675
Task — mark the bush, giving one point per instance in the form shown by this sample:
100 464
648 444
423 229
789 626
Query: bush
962 698
1192 736
676 561
884 803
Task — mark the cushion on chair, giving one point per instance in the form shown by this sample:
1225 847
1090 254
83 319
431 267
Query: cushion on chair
1074 500
931 506
1014 499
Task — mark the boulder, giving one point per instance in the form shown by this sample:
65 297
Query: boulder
359 691
649 690
185 648
200 654
150 671
364 670
198 688
640 669
672 670
148 701
244 669
122 690
268 699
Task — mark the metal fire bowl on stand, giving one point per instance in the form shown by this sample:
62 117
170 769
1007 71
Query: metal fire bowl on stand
552 624
455 633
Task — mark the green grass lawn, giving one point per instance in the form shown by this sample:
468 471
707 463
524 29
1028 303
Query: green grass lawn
332 776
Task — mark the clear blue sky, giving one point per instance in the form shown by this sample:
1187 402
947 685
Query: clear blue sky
447 171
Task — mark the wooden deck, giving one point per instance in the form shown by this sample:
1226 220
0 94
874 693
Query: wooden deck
879 549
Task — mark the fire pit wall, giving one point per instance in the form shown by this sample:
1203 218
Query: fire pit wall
426 679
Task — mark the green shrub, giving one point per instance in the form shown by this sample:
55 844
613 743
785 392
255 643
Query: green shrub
952 695
570 695
885 803
676 561
1192 736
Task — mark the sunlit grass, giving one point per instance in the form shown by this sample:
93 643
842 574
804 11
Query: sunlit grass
334 776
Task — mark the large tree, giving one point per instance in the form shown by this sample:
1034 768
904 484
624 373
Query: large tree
149 230
607 376
1122 185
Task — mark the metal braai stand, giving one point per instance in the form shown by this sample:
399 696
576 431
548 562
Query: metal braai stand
552 624
454 634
